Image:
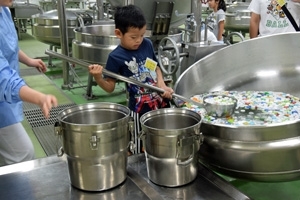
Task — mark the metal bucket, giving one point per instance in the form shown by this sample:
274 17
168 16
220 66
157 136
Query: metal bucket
95 139
172 139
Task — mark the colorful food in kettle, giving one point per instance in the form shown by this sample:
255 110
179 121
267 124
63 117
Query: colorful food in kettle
253 108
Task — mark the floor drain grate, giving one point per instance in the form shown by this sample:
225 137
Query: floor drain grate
47 138
36 118
29 106
44 128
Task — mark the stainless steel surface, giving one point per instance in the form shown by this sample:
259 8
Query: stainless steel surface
24 10
48 5
45 26
262 153
94 43
48 178
172 140
95 139
237 17
221 108
149 6
196 8
196 51
64 44
242 67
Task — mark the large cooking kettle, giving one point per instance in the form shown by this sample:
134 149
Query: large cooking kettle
260 153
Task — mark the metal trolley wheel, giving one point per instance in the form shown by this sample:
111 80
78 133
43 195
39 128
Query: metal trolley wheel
168 51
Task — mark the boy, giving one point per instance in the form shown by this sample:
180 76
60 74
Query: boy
134 58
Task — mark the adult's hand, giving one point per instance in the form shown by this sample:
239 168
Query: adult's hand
32 62
38 64
44 101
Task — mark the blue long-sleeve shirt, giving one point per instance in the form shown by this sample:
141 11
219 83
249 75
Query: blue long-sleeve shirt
11 110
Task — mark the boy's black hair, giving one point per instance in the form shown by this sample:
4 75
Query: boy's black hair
129 16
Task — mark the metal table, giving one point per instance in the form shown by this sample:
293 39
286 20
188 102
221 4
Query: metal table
48 178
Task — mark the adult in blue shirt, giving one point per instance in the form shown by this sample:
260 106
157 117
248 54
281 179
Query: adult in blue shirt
15 145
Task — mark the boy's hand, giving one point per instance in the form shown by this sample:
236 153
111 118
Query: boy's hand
95 70
168 92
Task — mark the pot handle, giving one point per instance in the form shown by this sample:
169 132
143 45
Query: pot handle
179 150
131 145
188 161
58 131
200 138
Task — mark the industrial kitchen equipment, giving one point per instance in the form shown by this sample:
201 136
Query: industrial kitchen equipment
259 153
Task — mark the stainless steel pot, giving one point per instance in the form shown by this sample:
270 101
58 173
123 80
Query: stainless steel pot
237 17
95 139
172 139
262 153
94 43
265 153
45 26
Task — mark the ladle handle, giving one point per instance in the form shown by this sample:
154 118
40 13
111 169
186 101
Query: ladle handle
188 100
119 77
104 71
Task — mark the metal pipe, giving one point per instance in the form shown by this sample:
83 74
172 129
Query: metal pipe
196 10
130 2
62 21
119 77
100 10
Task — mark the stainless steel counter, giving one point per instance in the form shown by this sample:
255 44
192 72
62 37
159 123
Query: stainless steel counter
48 178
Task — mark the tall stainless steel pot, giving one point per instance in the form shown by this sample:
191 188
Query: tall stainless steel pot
95 140
261 153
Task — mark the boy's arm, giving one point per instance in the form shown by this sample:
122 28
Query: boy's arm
160 78
107 84
161 84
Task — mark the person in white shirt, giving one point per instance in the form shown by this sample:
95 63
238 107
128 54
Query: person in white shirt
268 18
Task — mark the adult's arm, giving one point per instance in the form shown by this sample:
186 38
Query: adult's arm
31 62
254 25
44 101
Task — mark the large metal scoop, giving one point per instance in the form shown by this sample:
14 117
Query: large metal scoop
138 83
119 77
